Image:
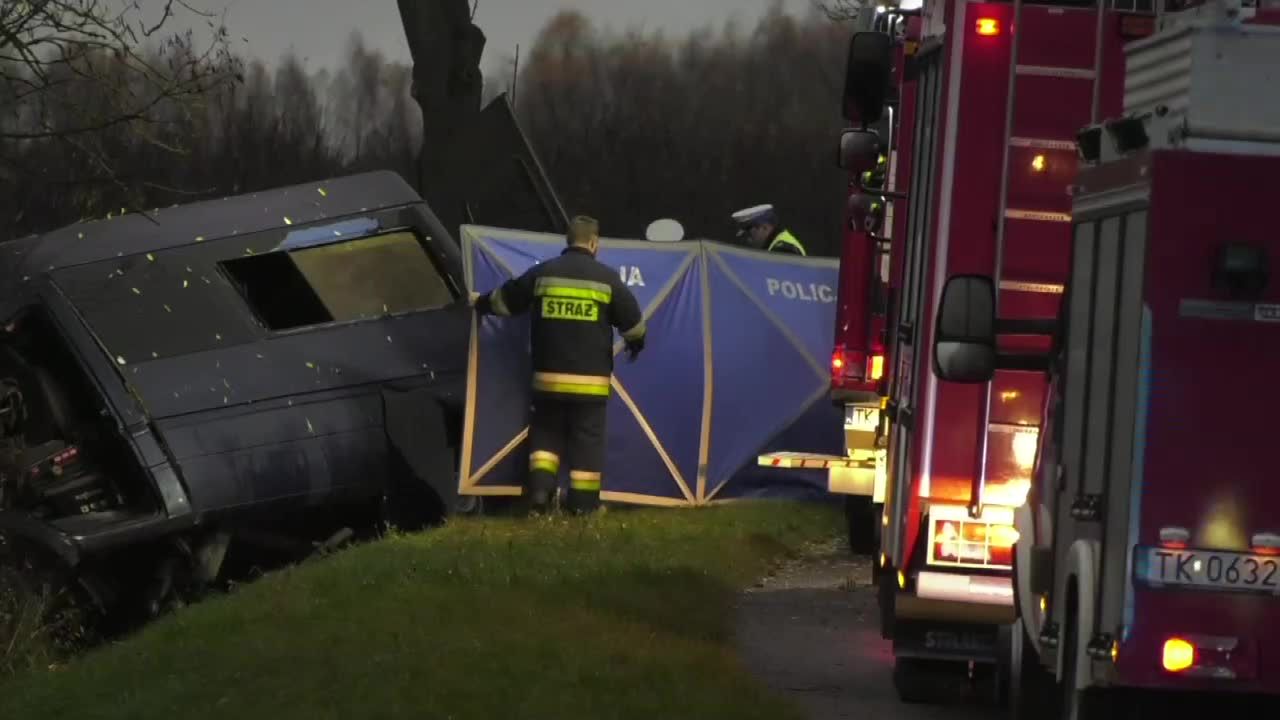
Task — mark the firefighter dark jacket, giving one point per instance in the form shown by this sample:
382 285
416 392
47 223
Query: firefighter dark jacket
575 301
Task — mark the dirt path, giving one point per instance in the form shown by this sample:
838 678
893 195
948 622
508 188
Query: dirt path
811 633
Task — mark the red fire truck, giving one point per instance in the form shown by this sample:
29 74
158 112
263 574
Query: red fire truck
1000 91
1148 556
858 359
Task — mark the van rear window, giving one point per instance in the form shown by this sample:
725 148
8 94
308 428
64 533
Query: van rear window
340 282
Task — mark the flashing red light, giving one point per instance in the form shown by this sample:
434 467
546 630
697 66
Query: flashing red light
1177 655
1136 26
837 362
988 27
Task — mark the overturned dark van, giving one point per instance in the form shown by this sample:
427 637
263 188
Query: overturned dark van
173 381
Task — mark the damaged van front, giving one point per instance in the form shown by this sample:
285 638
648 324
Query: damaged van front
261 371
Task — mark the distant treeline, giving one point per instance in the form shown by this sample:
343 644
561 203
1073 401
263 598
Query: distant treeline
630 127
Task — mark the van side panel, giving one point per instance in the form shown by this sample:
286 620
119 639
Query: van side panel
249 415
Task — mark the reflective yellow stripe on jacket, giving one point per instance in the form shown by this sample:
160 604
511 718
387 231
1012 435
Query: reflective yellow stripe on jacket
568 384
573 288
786 238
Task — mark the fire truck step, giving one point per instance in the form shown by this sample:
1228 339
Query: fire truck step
1043 144
1058 72
1032 287
1038 215
814 461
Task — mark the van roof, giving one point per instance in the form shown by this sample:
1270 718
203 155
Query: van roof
181 225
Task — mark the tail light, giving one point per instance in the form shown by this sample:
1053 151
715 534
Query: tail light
857 368
846 365
838 362
1209 656
957 539
1178 655
875 367
66 456
988 27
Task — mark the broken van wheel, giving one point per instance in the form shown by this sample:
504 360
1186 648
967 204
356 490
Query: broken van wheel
42 609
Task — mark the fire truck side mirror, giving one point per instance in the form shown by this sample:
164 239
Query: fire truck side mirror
867 75
859 150
964 345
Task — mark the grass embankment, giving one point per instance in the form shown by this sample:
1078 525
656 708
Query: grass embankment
626 615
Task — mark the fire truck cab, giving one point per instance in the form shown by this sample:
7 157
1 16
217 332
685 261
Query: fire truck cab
1147 558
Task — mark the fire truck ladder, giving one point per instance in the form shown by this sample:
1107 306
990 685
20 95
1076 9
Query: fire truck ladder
1018 70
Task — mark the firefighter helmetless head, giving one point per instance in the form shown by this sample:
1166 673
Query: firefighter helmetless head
584 232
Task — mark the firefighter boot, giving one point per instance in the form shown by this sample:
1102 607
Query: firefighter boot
584 492
541 494
543 468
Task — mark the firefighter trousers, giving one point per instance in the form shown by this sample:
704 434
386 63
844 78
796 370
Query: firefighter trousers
566 434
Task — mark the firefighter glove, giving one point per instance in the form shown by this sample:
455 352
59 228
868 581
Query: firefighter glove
634 347
482 304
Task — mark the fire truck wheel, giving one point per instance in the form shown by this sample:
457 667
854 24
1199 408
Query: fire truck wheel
859 514
887 587
1087 704
1031 691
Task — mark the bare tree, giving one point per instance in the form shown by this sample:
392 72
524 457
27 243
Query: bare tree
70 70
638 126
844 10
447 82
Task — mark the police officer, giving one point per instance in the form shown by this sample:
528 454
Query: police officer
575 301
763 230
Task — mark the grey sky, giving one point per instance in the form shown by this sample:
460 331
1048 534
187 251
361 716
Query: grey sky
317 30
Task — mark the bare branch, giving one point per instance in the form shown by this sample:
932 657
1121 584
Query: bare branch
72 69
842 10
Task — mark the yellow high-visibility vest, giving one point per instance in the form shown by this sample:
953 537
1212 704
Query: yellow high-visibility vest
786 238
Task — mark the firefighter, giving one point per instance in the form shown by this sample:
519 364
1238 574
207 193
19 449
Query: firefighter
575 302
764 231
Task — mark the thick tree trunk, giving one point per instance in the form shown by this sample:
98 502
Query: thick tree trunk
447 82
